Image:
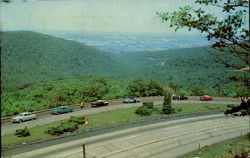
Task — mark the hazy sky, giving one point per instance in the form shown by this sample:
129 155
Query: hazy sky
134 16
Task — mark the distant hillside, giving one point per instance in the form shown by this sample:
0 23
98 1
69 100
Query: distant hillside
28 57
187 66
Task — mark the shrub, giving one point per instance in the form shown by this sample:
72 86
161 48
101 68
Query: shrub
167 109
54 130
149 105
69 126
22 132
137 87
143 111
63 127
78 120
167 92
197 90
154 88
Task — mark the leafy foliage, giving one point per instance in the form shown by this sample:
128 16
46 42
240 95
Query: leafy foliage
54 130
32 79
22 132
52 93
140 87
28 58
167 92
167 108
63 127
143 111
149 105
230 34
35 57
78 120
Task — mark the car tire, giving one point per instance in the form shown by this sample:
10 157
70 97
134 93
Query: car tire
20 121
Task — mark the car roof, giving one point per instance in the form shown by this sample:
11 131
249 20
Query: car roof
63 106
26 113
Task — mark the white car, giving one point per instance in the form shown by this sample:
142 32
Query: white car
24 116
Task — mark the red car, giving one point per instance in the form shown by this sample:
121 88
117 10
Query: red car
206 98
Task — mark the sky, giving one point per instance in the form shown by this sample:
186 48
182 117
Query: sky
94 16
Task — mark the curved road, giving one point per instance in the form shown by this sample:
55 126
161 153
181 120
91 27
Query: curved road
10 128
167 138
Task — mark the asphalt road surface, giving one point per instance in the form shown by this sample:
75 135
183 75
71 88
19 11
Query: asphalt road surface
162 139
10 128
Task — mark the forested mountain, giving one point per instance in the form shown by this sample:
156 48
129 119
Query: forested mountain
29 58
190 66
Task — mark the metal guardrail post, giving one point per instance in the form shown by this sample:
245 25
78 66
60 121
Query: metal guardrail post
84 151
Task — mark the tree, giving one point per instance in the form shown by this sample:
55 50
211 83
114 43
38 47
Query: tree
137 87
166 107
229 35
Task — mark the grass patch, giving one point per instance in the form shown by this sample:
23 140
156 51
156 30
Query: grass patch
227 149
109 118
187 108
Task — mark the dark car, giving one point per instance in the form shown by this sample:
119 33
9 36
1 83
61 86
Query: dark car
131 100
179 97
99 103
61 110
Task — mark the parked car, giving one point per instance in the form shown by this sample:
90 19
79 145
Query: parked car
24 116
61 110
131 100
206 98
179 97
99 103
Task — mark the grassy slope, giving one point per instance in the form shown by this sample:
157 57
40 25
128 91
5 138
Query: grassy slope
227 149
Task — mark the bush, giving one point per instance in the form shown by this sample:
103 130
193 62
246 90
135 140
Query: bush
78 120
69 127
197 90
149 105
137 87
167 92
154 88
22 132
167 109
143 111
140 87
63 127
54 130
